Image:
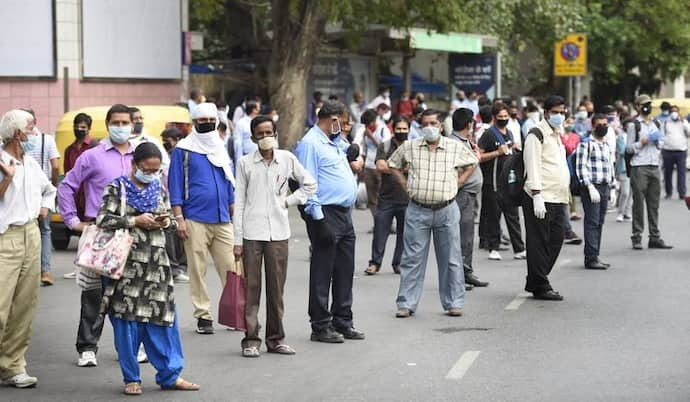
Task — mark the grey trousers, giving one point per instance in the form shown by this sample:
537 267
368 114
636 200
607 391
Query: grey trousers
646 188
466 204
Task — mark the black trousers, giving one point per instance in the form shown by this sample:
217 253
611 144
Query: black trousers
174 247
467 203
490 221
90 321
331 270
385 212
544 242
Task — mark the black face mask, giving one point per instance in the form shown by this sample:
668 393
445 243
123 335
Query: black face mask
401 137
167 146
334 136
501 123
205 127
79 133
646 109
138 127
600 131
513 115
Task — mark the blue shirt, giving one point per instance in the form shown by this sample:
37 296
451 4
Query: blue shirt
210 193
327 162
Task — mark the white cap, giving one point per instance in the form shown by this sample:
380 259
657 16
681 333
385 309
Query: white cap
205 110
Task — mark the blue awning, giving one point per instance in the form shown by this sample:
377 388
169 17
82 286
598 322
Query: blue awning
418 84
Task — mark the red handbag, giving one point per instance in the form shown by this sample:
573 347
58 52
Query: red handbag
233 299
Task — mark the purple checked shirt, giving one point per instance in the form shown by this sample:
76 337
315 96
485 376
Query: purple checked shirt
95 169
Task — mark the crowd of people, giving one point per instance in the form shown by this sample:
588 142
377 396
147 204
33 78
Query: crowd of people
225 190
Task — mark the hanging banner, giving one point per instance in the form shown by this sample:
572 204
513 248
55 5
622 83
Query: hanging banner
473 72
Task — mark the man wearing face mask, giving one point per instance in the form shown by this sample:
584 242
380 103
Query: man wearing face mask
545 205
436 168
392 201
495 145
644 141
95 169
514 126
596 175
262 230
675 151
328 214
140 136
665 112
202 197
242 143
25 194
463 132
582 125
375 133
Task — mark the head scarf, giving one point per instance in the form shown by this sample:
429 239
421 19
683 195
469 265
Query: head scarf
208 144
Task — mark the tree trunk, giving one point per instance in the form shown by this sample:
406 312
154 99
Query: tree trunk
298 27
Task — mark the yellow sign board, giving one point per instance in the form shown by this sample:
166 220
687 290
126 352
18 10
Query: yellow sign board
570 56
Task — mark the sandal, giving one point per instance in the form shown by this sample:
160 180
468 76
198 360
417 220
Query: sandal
132 388
251 351
183 385
282 349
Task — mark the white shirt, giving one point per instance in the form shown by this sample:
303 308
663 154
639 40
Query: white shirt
514 127
144 137
379 100
368 148
238 114
50 152
262 192
29 191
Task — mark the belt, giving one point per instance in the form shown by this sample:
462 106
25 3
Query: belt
433 207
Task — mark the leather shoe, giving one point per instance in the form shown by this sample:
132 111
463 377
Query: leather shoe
351 333
404 313
468 287
637 245
596 265
548 295
659 243
327 336
473 280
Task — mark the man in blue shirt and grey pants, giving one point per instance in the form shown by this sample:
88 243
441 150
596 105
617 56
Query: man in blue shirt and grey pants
328 214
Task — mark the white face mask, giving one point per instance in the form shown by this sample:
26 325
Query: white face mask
386 94
431 134
266 143
275 118
674 115
534 116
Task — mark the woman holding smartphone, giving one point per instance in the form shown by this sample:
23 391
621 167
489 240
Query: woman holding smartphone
141 304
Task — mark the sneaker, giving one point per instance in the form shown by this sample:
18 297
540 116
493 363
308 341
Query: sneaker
141 355
204 327
620 218
572 238
522 255
71 275
495 255
87 359
46 279
21 380
627 218
181 278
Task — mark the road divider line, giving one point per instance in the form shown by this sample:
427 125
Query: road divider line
517 301
564 262
462 365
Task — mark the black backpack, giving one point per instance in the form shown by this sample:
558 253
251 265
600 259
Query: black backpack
629 155
574 181
510 182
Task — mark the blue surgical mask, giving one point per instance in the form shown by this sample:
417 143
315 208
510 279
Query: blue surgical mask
145 178
30 144
556 119
119 134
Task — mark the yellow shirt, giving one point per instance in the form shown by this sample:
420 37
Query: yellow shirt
546 167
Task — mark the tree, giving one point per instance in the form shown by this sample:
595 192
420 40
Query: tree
636 46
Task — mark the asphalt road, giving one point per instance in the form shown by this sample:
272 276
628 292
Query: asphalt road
620 335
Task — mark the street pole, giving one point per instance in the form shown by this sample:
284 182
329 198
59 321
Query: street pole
184 88
577 90
498 75
569 93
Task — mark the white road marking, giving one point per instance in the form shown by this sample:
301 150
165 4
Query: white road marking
564 262
411 364
462 365
517 301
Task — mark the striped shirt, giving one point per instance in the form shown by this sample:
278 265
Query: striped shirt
594 164
433 175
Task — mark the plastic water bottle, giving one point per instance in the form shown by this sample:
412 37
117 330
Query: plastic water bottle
512 177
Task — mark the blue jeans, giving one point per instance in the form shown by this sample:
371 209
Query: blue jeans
420 223
595 215
674 160
46 245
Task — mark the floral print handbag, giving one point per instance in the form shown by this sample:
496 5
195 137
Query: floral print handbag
105 252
